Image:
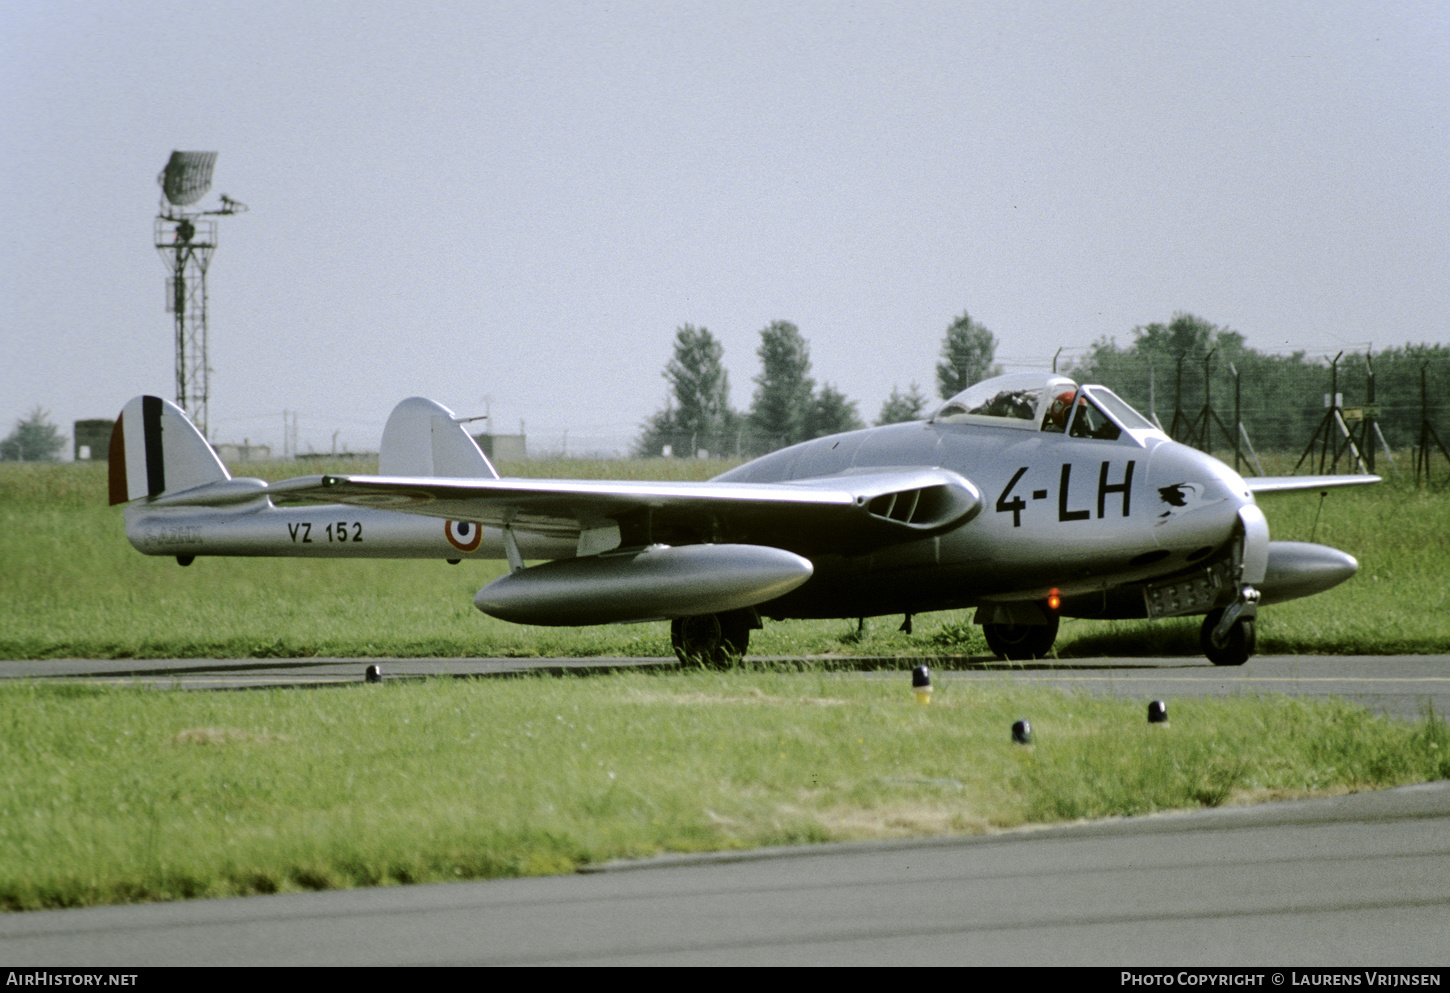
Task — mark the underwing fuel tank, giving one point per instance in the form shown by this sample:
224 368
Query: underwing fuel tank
1298 569
659 582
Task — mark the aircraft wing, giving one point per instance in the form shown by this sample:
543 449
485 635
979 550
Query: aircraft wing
846 513
1293 484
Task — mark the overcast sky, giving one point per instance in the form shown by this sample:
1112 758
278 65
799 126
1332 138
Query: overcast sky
512 206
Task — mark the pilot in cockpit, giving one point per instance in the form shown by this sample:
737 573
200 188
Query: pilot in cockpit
1086 421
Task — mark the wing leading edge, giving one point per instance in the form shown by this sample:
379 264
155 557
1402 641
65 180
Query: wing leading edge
1295 484
840 513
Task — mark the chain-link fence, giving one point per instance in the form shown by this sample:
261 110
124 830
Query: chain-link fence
1269 414
1263 414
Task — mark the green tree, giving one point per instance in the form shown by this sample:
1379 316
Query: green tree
1186 336
34 439
967 351
1168 367
697 414
698 380
899 407
1162 372
782 408
831 413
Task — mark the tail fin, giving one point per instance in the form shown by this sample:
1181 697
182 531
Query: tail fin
423 438
155 449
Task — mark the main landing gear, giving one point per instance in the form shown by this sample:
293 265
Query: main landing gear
719 641
715 641
1019 642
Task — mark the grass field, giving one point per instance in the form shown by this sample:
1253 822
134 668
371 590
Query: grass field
115 795
72 586
121 795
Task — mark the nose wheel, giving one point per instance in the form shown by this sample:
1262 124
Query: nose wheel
1235 646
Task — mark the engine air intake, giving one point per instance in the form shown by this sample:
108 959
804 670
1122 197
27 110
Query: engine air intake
921 507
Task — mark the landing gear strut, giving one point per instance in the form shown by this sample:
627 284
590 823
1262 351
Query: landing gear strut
716 641
1022 641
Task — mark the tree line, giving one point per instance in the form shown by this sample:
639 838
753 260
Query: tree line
1189 373
787 406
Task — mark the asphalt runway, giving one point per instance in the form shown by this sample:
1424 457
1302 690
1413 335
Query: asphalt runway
1397 685
1351 882
1354 881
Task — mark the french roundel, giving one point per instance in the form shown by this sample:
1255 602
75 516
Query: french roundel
463 535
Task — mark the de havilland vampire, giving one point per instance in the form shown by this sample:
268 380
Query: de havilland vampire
1027 497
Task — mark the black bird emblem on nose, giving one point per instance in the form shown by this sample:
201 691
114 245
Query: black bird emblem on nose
1175 495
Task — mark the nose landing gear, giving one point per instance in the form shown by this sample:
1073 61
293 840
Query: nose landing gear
1228 633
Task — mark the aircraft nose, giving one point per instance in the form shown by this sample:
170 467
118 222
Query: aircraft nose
1196 499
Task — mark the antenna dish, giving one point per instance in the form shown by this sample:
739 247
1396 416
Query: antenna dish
186 238
187 177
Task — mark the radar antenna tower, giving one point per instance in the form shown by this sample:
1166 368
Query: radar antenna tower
187 240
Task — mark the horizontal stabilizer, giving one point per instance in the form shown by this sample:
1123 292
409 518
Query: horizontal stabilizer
222 493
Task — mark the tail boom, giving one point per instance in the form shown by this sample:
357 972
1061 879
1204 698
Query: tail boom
321 531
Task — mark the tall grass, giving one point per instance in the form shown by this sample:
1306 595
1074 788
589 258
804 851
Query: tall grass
118 795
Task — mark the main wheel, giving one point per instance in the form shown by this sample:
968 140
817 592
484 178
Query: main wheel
716 641
1021 641
1237 647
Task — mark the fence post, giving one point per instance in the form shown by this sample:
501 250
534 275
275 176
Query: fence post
1367 438
1238 416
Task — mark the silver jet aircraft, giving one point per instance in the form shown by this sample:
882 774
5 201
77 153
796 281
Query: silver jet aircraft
1027 497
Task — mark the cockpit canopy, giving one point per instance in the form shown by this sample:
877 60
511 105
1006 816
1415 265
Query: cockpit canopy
1044 402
